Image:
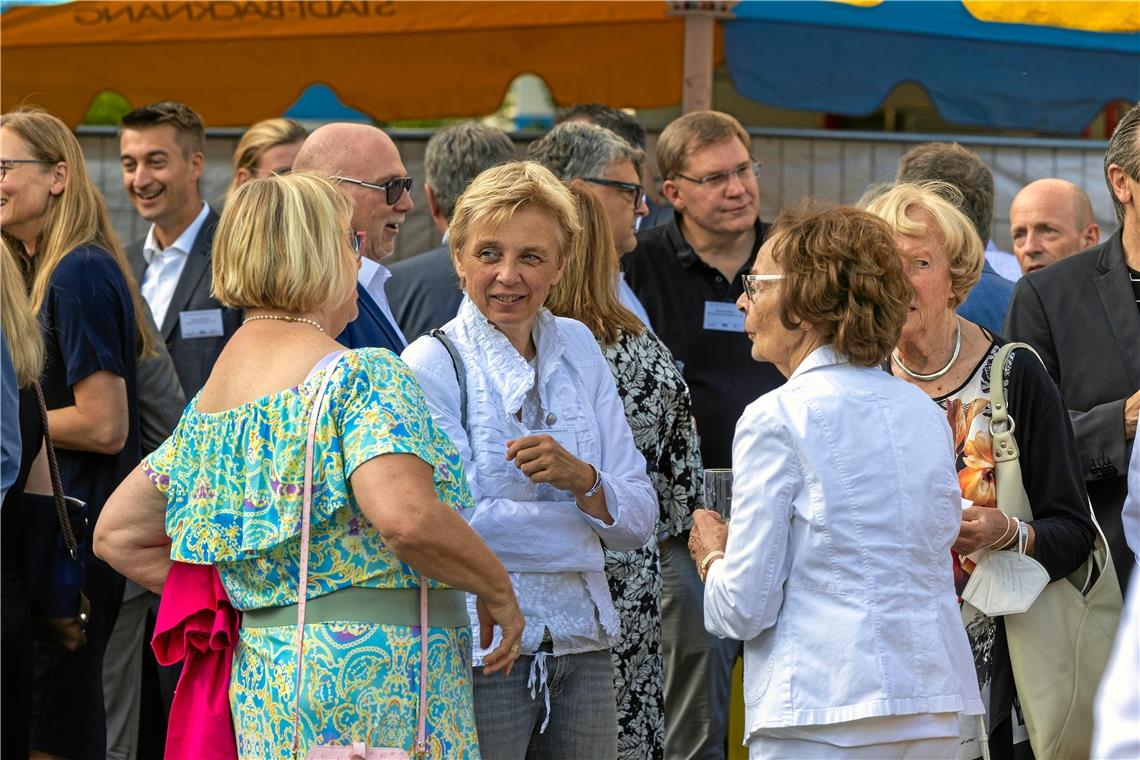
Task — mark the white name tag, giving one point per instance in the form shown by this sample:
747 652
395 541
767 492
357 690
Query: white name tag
202 323
723 316
565 436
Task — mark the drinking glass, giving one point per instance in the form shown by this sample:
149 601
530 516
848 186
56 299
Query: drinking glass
718 492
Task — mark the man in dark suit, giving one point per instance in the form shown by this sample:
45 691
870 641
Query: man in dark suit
987 301
424 290
161 150
367 165
1082 314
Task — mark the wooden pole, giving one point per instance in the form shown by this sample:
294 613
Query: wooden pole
700 38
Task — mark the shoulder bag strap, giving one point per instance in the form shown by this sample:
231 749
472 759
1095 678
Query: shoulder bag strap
1002 427
56 481
303 582
460 372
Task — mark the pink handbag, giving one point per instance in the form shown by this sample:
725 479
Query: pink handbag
356 750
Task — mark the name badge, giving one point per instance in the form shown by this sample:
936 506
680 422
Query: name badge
201 323
723 316
565 436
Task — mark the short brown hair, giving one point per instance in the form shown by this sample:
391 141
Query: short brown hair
957 166
188 128
842 275
693 131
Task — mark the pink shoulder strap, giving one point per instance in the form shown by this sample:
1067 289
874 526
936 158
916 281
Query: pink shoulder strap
303 579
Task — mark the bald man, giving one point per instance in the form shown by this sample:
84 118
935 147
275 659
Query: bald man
366 163
1049 220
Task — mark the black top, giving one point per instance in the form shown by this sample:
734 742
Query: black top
89 326
15 613
674 284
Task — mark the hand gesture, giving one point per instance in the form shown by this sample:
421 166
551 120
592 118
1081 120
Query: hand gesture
709 534
983 527
507 616
543 460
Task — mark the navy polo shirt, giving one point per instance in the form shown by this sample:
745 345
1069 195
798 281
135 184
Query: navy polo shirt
674 283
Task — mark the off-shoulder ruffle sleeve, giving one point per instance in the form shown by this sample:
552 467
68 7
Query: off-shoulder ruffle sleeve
234 480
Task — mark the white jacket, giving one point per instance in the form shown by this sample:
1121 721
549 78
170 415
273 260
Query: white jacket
536 529
837 574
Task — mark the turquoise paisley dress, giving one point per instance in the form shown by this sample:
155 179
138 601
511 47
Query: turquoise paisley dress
233 482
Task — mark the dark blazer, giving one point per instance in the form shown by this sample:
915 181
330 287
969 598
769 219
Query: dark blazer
988 301
370 329
193 357
1081 316
424 292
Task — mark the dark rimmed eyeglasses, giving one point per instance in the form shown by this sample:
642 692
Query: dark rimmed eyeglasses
720 179
9 163
630 188
392 189
752 283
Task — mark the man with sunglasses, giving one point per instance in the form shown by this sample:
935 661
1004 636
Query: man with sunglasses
607 167
687 272
366 163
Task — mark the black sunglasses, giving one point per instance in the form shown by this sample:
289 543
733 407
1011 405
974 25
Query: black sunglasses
636 190
393 188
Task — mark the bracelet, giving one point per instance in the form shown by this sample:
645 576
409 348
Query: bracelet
706 563
1002 539
597 484
1022 537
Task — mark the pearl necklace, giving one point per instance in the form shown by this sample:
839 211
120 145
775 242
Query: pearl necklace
286 318
934 375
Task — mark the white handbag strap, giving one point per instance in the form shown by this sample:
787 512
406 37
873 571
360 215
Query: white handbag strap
1002 426
420 748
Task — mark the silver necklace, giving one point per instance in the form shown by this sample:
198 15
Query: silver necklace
286 318
934 375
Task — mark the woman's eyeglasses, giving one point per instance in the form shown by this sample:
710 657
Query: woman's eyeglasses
630 188
6 164
356 242
392 189
752 283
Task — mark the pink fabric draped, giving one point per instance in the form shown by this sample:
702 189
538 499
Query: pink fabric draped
198 627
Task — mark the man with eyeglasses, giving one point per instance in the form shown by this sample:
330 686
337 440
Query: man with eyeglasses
367 165
607 167
687 272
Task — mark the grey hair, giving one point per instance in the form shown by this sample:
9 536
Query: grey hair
457 154
574 149
1124 151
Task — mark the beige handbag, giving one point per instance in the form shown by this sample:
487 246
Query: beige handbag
1060 646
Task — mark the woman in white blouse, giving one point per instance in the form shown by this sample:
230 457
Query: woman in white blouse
836 570
531 404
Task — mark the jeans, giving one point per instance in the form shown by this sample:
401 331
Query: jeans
582 713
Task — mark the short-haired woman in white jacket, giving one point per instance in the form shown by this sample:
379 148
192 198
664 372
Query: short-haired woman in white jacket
549 457
836 571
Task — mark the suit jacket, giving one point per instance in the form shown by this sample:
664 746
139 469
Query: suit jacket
370 329
424 292
193 357
988 301
1081 316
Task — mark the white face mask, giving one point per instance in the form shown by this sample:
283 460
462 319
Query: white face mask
1005 583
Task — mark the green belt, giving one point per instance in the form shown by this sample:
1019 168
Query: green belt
447 608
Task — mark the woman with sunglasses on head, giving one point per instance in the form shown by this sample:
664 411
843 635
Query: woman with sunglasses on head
532 406
57 224
657 407
834 571
227 489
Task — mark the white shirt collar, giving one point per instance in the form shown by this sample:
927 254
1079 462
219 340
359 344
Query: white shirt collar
824 356
372 275
185 241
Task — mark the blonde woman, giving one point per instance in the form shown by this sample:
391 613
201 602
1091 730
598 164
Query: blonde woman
225 490
268 147
659 412
57 224
23 354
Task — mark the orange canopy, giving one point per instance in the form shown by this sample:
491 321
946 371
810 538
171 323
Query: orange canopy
238 62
